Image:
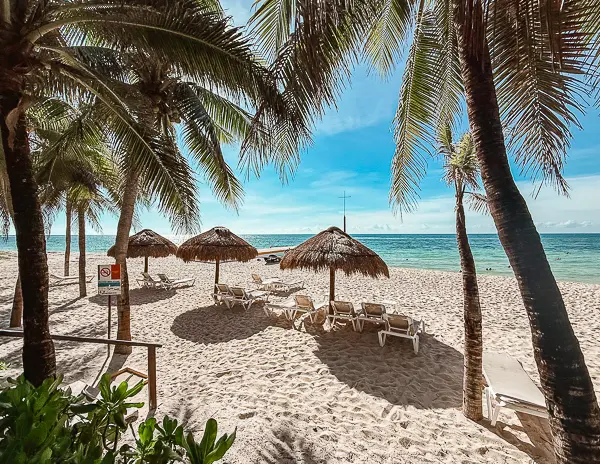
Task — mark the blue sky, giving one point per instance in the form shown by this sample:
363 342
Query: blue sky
352 151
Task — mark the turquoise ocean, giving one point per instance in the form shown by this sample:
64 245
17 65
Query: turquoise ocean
573 257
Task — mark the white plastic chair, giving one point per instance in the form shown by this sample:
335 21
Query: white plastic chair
398 325
342 310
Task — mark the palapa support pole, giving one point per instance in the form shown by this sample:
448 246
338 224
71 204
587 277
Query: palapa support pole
217 271
146 263
331 288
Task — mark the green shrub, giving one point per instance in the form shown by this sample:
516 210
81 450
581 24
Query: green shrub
49 425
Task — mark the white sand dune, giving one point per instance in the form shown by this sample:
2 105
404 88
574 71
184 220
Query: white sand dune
316 396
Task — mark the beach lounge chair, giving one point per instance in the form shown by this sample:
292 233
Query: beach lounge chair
285 307
265 284
509 386
342 310
287 286
398 325
245 298
222 294
170 283
370 312
305 305
56 280
149 282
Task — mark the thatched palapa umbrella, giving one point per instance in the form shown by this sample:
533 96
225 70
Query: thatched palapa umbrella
335 250
147 243
217 244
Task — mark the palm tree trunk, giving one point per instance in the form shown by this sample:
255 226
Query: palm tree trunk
573 410
68 236
39 361
16 315
121 243
472 377
81 236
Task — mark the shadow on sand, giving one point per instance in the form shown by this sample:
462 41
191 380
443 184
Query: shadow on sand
430 379
285 448
537 429
137 296
217 324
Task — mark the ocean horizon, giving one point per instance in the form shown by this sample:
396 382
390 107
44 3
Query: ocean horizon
573 257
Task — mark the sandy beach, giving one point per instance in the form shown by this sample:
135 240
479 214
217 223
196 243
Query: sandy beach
314 396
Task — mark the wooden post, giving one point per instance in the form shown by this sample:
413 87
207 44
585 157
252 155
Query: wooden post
331 288
146 263
109 324
152 377
217 272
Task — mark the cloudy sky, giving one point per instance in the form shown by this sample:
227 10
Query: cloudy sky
352 151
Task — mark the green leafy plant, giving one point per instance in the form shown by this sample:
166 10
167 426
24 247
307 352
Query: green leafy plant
47 424
169 444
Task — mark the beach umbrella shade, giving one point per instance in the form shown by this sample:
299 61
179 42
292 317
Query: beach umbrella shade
335 250
217 244
147 243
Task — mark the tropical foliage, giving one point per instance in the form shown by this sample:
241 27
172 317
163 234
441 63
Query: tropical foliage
462 174
520 64
48 424
200 71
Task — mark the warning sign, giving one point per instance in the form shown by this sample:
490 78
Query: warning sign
109 279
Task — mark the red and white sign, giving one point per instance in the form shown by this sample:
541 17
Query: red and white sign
109 279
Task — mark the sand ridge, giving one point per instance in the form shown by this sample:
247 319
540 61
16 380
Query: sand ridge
316 396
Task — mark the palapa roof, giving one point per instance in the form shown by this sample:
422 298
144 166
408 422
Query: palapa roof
216 243
333 248
147 243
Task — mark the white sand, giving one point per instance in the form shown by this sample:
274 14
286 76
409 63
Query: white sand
315 396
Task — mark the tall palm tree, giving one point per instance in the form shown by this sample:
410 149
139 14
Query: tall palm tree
40 52
462 172
74 167
6 217
517 62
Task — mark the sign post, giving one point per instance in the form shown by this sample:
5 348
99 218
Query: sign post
109 284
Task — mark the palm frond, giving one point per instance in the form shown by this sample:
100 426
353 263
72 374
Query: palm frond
415 119
201 136
478 202
539 55
384 44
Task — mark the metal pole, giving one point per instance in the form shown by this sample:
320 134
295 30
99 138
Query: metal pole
344 197
109 324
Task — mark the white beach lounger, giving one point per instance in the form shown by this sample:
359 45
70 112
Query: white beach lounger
245 298
149 282
372 313
222 294
342 310
510 387
398 325
285 307
287 286
55 280
265 284
170 283
305 305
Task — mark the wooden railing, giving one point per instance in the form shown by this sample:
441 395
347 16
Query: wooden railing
108 341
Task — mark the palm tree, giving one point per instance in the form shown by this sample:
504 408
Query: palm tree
74 167
6 217
461 172
522 60
41 51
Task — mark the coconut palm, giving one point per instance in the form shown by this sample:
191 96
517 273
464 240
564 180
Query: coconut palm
462 172
6 217
74 168
41 51
516 62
